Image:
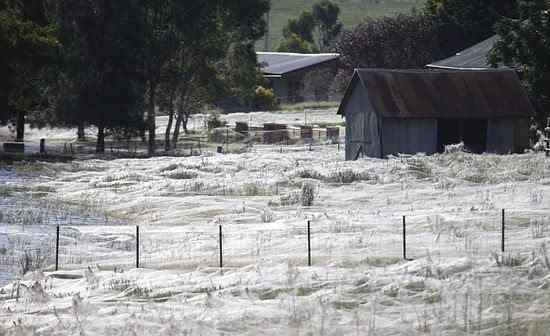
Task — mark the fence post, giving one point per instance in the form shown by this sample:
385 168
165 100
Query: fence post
502 233
308 243
42 146
137 246
57 248
404 239
221 246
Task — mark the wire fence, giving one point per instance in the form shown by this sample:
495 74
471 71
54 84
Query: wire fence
221 140
314 242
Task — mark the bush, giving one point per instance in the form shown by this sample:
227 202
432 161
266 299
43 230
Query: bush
214 121
265 99
31 261
308 194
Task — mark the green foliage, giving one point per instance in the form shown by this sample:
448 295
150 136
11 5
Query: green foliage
302 27
400 42
352 12
299 32
326 14
463 23
525 43
295 44
214 121
241 72
265 99
27 44
101 64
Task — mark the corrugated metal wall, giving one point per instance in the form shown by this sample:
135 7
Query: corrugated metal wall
362 136
409 136
507 136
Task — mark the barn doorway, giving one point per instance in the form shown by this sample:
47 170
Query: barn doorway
473 132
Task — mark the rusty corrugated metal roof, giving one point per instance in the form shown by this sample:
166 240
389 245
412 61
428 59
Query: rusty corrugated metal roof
442 94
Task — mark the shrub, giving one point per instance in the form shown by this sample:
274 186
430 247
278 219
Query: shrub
308 194
265 99
309 173
182 174
214 121
267 216
31 261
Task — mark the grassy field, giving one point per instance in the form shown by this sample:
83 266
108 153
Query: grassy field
351 12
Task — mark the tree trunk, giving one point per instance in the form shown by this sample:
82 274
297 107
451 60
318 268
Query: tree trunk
168 130
185 118
20 127
80 134
142 135
169 124
151 119
176 134
100 145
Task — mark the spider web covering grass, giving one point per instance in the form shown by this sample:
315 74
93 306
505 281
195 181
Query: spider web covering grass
458 283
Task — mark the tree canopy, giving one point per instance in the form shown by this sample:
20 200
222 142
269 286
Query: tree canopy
463 23
312 30
525 44
27 42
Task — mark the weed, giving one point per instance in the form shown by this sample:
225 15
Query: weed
538 227
308 194
310 174
267 216
182 174
507 259
31 261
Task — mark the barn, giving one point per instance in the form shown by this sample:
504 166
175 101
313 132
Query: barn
285 72
411 111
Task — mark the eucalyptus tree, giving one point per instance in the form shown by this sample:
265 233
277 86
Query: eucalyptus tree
27 43
100 77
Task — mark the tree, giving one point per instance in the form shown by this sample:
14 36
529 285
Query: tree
171 25
101 62
217 59
326 14
525 43
302 26
399 42
299 33
463 23
296 44
403 41
27 41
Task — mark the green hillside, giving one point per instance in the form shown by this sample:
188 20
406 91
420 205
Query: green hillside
351 12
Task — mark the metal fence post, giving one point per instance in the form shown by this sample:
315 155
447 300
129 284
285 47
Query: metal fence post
404 239
57 248
308 243
137 246
502 229
221 246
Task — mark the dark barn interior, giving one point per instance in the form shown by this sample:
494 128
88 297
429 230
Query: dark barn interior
473 132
